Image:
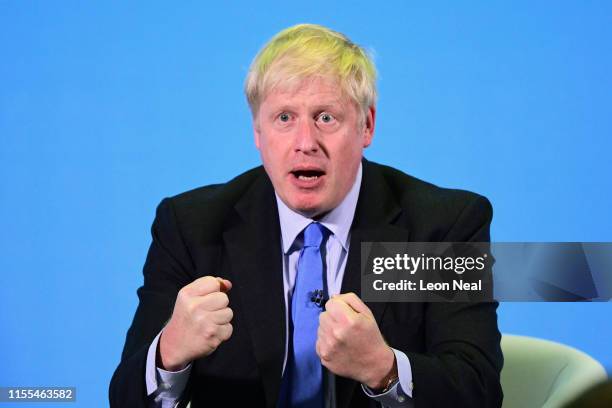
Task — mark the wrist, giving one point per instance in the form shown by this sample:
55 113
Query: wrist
165 359
387 374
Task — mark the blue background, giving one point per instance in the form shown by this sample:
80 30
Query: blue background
105 109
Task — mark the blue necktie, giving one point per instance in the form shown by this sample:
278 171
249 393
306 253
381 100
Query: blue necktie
305 370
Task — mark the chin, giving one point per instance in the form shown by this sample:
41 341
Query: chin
308 211
310 204
307 208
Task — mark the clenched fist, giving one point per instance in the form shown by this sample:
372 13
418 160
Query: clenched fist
200 323
350 344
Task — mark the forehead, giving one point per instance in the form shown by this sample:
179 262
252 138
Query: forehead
311 91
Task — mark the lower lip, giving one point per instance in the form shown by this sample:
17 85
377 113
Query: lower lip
306 184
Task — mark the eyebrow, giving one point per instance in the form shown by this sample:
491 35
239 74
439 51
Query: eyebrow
319 107
327 106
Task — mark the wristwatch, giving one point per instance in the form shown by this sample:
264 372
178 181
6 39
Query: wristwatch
392 379
390 383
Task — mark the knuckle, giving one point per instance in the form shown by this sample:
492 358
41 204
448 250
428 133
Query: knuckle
323 318
191 308
214 342
209 332
320 349
199 319
183 294
339 334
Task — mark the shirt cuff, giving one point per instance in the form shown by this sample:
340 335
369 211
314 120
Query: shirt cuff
401 393
164 384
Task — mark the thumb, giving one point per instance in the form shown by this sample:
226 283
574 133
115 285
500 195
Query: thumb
224 284
355 303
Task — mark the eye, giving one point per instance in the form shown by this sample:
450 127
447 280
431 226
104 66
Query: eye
284 117
326 117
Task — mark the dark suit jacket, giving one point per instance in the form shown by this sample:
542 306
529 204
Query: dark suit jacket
232 230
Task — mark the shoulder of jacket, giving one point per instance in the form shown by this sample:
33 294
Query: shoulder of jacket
224 193
419 196
208 207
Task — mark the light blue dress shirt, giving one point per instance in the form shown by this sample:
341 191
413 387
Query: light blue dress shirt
167 386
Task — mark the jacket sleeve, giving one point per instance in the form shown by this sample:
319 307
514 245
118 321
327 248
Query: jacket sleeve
463 355
167 269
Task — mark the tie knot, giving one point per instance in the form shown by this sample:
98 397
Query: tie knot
314 234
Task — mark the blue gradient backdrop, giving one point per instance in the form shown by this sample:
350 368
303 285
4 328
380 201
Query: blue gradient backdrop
107 108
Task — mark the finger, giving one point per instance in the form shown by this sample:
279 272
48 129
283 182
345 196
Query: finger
325 321
322 331
355 303
327 349
210 302
339 311
222 316
203 286
319 348
225 331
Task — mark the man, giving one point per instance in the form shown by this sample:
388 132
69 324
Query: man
234 310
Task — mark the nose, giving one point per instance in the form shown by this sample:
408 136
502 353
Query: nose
306 137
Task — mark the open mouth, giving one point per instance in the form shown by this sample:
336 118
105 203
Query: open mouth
308 175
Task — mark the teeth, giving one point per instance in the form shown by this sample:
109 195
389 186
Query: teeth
308 178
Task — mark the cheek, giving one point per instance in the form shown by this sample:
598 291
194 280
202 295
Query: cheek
346 162
349 154
272 152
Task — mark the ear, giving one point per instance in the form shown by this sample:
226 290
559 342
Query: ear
256 132
368 126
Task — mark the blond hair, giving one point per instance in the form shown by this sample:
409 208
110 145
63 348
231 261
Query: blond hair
307 51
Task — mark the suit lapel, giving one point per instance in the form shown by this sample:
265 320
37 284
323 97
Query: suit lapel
374 216
254 254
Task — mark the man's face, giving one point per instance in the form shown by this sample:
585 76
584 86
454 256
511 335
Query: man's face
311 141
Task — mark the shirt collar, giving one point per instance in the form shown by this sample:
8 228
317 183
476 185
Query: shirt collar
338 220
